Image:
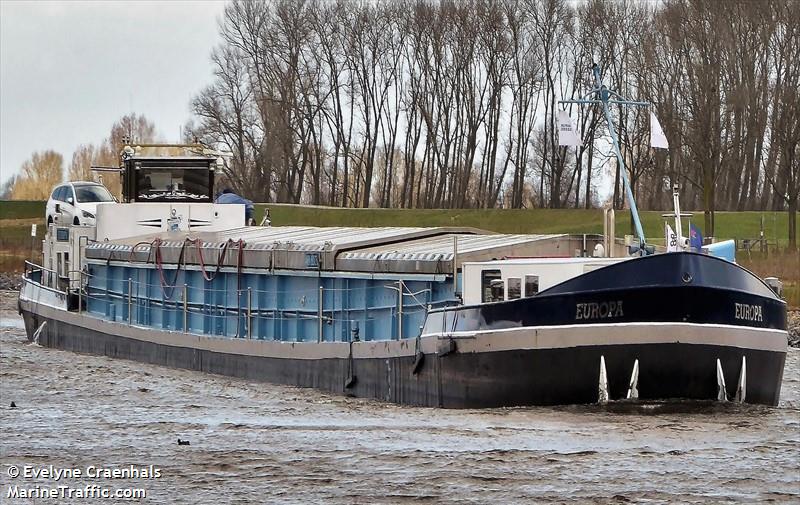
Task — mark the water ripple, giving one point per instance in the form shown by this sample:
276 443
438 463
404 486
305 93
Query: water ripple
254 442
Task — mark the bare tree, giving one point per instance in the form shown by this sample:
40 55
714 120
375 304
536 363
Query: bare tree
453 104
38 175
80 169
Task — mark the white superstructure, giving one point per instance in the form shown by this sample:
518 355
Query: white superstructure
508 279
121 220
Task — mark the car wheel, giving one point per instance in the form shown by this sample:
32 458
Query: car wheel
76 221
49 220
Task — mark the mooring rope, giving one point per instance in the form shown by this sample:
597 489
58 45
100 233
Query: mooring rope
168 288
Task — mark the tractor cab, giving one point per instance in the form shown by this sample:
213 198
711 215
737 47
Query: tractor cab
168 173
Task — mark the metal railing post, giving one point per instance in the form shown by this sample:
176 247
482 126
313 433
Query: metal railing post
319 315
80 290
400 311
455 265
130 300
238 314
249 312
185 309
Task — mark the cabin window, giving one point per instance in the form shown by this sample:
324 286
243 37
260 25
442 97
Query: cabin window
531 285
514 288
92 193
173 183
60 194
491 286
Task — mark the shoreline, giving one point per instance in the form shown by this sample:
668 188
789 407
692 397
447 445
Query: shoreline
10 281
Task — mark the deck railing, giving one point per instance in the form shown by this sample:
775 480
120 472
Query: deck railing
203 309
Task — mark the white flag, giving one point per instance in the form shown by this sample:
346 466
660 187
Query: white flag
566 133
657 137
671 239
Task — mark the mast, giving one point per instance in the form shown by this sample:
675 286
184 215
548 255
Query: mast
602 95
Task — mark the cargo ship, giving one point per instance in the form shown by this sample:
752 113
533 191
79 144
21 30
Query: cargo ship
437 317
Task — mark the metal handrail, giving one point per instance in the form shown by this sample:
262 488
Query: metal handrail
31 266
243 290
40 267
47 288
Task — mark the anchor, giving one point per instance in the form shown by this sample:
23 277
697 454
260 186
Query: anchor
722 394
350 379
633 385
38 333
602 387
419 360
419 356
741 387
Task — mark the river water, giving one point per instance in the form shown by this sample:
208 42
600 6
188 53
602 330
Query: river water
260 443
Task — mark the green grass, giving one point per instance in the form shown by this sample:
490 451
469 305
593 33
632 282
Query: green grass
498 220
739 225
729 224
17 233
21 209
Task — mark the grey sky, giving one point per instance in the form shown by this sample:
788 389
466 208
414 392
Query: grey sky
69 70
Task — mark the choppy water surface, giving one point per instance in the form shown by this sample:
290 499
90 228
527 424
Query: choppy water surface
253 442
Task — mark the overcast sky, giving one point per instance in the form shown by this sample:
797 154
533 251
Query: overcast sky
69 70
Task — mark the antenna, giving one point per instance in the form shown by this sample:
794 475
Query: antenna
605 96
130 117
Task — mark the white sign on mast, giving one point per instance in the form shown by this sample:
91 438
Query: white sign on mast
657 137
567 136
671 239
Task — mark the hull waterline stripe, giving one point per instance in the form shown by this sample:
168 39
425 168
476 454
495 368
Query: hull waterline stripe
546 337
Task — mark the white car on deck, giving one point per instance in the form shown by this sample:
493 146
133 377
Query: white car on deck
76 203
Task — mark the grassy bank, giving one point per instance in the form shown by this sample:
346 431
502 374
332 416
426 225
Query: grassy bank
740 225
21 209
16 219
